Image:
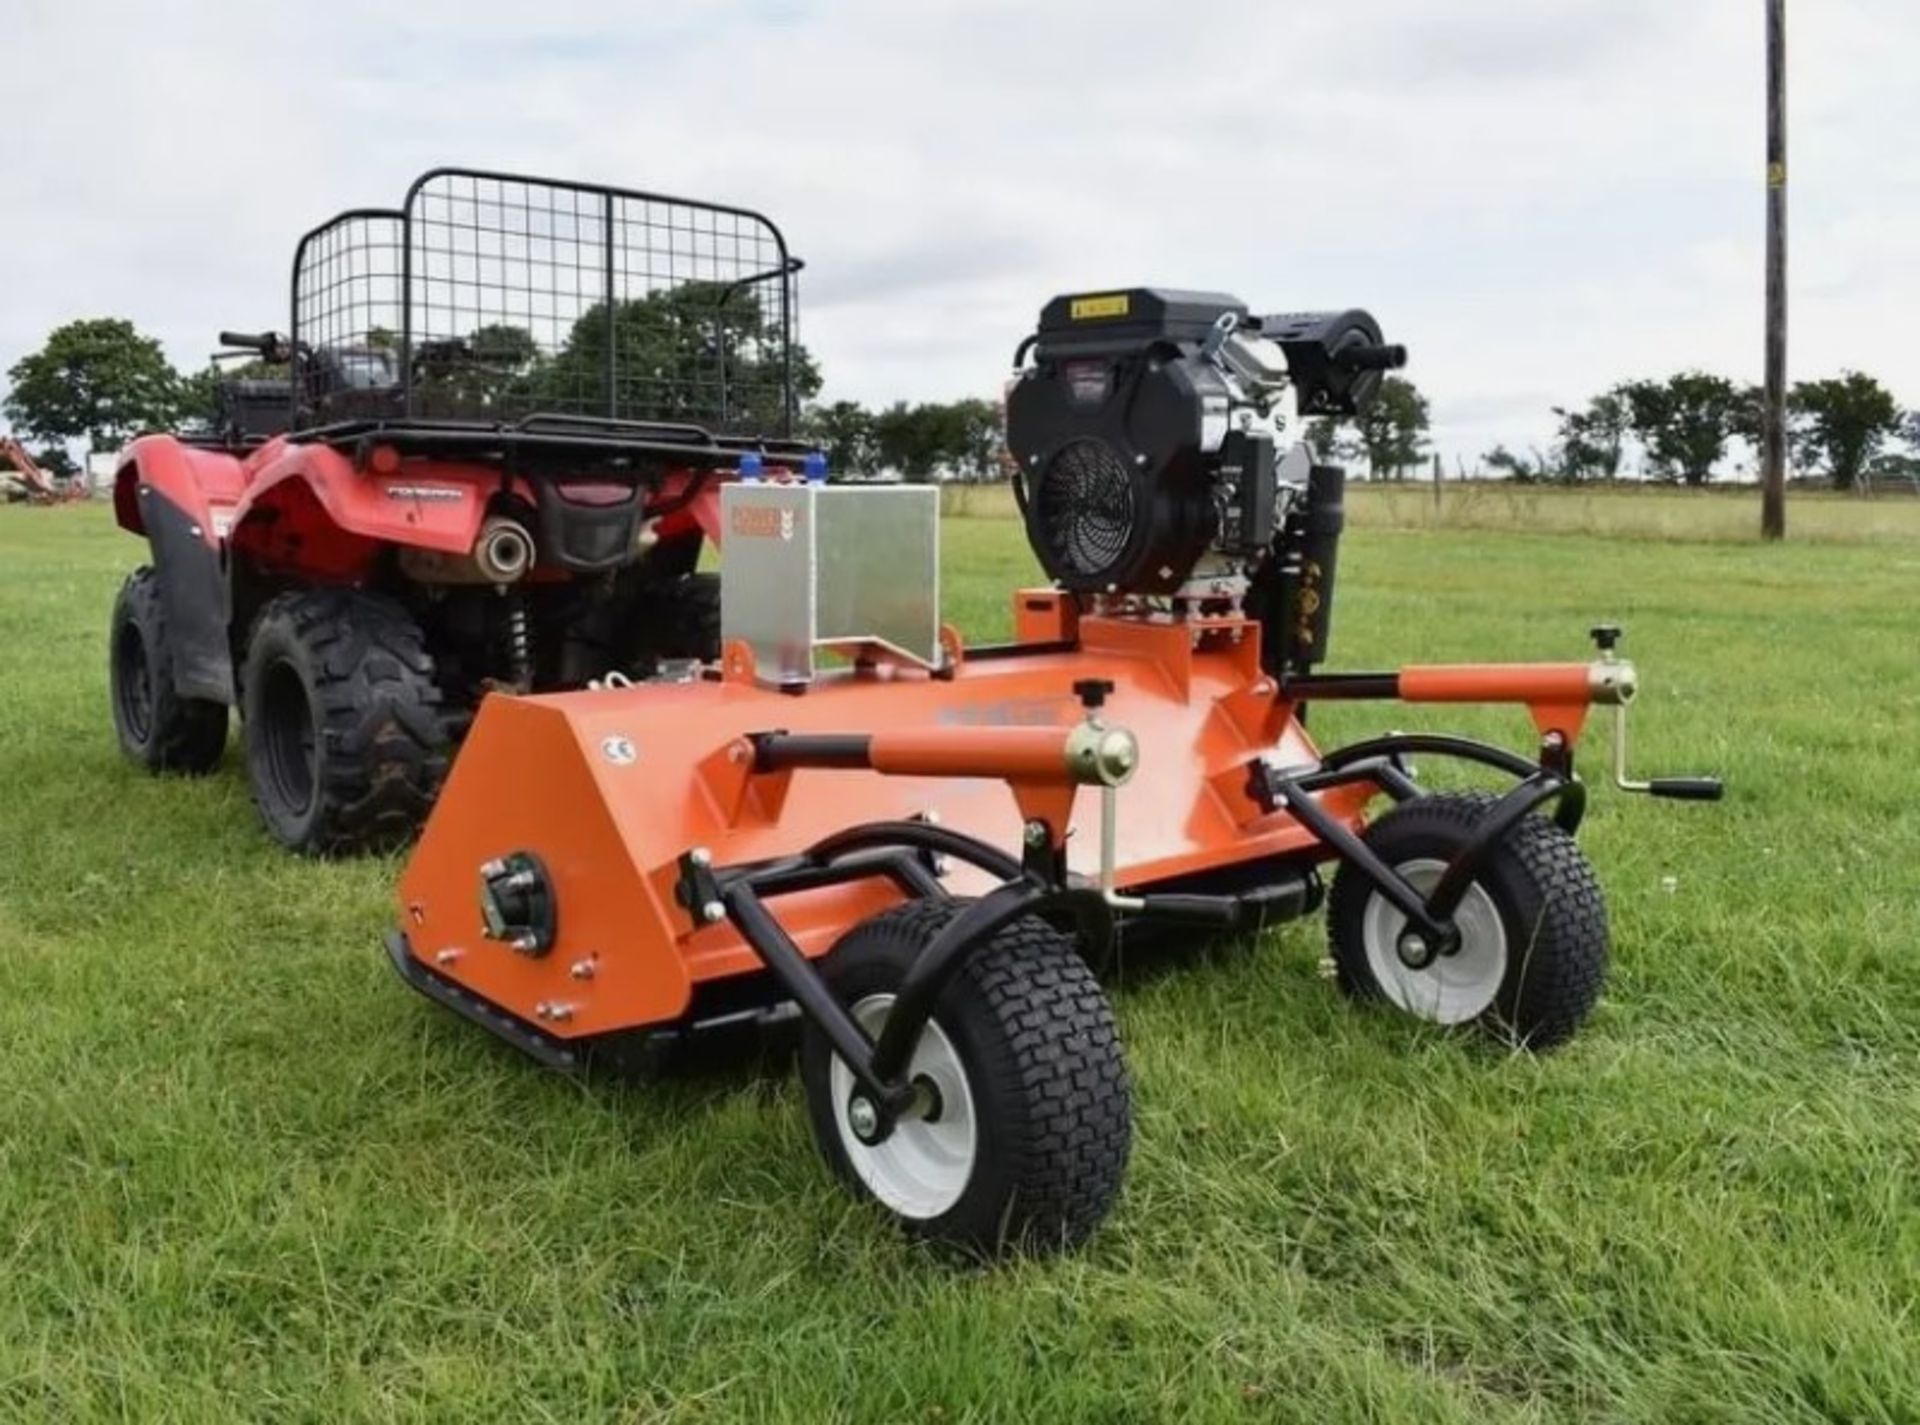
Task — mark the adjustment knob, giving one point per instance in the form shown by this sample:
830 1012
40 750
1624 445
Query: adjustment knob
1605 636
1092 692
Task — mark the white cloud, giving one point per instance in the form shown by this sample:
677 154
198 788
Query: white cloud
1539 198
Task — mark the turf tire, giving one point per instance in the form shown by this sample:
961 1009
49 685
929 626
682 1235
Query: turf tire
1542 887
1036 1037
158 728
347 732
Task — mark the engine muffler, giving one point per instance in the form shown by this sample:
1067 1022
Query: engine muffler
503 553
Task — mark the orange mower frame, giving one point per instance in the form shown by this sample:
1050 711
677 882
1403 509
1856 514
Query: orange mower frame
923 852
667 818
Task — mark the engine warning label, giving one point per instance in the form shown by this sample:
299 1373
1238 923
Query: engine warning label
1083 309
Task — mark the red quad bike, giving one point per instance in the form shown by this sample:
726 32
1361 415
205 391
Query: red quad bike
485 456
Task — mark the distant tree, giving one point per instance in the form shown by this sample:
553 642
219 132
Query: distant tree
913 440
1684 422
53 459
1841 424
702 351
1515 467
974 439
845 431
56 461
1894 466
1593 439
504 345
1749 418
96 380
198 394
1393 428
495 367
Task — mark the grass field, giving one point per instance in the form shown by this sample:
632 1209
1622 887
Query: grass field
1724 514
244 1174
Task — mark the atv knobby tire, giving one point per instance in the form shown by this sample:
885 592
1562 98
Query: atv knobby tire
347 736
1534 908
158 728
1030 1030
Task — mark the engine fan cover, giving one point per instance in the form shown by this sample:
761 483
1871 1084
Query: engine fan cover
1103 519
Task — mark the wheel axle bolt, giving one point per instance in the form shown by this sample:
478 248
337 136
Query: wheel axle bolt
1413 950
863 1118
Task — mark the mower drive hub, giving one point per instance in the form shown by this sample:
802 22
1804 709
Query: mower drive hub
1433 984
921 1166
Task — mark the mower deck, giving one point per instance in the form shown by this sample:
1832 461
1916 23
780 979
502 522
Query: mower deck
615 787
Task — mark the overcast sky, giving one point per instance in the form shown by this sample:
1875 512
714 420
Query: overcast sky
1538 198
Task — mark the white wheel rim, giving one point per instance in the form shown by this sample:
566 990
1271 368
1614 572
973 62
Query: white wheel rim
1453 988
924 1165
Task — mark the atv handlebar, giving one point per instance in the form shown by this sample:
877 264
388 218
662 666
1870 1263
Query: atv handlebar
271 345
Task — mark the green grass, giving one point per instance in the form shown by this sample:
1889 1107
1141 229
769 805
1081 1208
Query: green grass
1726 514
244 1174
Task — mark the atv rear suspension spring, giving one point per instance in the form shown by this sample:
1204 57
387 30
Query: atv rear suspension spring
519 642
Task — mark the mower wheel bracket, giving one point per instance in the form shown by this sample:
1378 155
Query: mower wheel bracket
1493 827
959 938
1296 797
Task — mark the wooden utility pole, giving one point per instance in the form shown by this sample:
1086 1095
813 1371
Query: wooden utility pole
1773 419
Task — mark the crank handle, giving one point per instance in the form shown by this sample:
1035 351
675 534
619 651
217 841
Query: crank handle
1687 789
1683 789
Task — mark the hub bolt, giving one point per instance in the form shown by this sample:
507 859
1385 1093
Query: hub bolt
863 1118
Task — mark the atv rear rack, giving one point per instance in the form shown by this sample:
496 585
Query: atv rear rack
555 435
487 296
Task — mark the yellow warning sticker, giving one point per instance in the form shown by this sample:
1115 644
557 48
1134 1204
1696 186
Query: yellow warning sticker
1085 308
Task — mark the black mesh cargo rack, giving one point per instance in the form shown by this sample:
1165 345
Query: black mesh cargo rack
496 312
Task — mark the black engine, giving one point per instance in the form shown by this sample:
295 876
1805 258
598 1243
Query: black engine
1146 430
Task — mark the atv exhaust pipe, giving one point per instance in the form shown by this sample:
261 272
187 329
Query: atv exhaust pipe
504 551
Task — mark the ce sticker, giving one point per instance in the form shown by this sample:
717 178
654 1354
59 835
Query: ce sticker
619 751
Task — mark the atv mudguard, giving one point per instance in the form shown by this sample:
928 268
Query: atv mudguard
182 499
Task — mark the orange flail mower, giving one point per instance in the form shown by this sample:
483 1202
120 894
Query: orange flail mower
925 848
